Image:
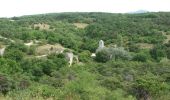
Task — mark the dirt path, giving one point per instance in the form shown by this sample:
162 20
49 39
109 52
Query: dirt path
1 37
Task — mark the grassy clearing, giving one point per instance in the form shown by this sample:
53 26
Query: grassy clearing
80 25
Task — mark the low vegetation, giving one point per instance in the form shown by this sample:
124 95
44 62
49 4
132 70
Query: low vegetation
133 65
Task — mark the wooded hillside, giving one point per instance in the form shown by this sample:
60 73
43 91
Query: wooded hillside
36 53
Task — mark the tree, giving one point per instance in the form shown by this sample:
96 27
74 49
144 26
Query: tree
140 57
5 85
168 53
158 52
48 66
17 46
103 55
119 53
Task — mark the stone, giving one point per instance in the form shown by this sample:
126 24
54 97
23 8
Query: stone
93 55
2 50
101 44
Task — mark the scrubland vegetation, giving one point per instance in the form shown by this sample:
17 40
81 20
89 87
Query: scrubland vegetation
135 65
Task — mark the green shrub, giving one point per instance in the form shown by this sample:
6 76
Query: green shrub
140 57
84 56
103 56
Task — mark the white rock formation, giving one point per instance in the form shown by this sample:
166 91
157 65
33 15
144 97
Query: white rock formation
2 50
70 56
101 44
93 55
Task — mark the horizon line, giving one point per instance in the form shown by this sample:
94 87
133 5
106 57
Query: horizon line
131 12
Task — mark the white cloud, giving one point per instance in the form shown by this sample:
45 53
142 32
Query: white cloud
10 8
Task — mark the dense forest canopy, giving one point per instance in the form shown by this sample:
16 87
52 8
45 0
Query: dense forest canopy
133 65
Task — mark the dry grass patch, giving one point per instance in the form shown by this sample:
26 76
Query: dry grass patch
145 45
80 25
167 36
48 48
42 26
1 45
168 39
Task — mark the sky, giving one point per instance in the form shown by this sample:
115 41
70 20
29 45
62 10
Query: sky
10 8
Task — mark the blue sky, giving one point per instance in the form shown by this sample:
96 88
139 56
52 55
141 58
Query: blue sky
10 8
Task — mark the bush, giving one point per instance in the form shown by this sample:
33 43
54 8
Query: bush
31 50
84 56
140 57
48 66
16 55
9 66
5 85
106 54
148 85
17 46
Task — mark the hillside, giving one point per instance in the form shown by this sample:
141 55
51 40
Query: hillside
59 56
